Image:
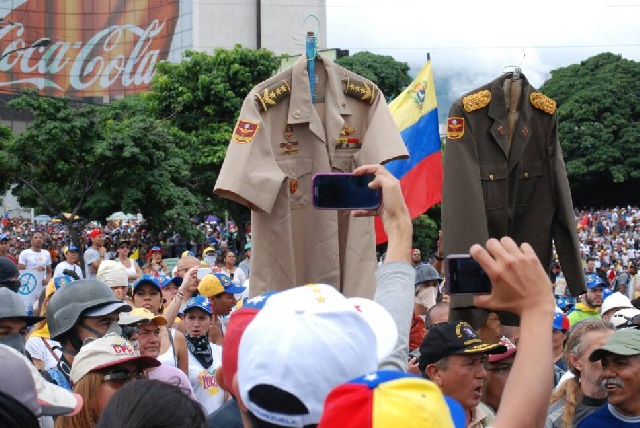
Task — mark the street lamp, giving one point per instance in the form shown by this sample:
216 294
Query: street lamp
45 41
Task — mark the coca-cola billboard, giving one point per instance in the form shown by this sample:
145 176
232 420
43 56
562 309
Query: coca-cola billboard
98 47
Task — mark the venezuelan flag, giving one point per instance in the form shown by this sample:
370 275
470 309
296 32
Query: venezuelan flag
415 111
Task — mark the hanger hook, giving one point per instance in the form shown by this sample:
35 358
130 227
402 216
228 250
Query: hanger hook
317 22
524 55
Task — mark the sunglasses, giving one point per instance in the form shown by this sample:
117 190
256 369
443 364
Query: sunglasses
123 246
118 377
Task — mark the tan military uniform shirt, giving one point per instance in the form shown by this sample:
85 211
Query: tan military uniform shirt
280 141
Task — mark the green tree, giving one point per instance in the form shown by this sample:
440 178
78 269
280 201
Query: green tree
599 128
92 160
202 96
390 75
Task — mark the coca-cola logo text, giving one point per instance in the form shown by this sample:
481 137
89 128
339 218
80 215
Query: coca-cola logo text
108 57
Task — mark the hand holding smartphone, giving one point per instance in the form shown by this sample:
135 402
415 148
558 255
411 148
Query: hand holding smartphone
465 275
345 191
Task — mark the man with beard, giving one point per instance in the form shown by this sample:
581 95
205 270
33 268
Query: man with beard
620 358
592 300
35 258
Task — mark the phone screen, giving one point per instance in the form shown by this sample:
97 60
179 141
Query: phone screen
345 192
466 276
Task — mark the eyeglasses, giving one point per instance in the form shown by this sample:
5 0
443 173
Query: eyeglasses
118 377
123 247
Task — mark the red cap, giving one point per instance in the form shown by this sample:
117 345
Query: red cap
511 349
94 233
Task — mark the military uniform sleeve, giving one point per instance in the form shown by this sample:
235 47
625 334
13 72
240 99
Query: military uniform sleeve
250 174
565 233
464 220
382 141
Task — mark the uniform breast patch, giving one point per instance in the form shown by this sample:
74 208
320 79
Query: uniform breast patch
245 131
455 128
542 102
476 101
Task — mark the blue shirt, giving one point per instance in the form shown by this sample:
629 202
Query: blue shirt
608 417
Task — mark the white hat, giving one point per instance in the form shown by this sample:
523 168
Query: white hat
18 376
107 351
624 316
113 273
615 300
306 341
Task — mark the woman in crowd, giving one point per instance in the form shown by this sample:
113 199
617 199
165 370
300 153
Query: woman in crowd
204 357
237 275
149 403
155 265
133 270
100 369
147 293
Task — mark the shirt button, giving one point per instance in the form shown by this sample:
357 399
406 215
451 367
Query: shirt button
333 256
491 177
296 114
343 104
526 175
332 223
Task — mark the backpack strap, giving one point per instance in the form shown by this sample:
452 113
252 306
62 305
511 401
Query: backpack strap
173 347
50 349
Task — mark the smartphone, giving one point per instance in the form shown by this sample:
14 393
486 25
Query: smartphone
465 275
202 272
345 191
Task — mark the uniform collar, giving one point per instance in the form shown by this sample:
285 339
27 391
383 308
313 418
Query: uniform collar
301 109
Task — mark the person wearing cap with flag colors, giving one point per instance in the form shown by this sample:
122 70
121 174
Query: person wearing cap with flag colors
155 266
205 357
591 301
620 358
390 399
31 395
45 353
560 328
69 263
101 368
220 291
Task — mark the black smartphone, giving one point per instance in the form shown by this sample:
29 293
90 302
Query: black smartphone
465 275
344 191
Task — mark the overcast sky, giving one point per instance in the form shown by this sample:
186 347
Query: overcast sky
472 41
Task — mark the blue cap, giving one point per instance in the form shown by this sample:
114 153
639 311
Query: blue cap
177 281
4 237
146 279
199 302
71 248
593 281
606 292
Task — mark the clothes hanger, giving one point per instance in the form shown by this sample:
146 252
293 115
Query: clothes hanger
311 52
517 70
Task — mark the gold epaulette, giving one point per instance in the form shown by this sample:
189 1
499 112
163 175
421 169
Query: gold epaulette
272 94
360 90
476 101
542 102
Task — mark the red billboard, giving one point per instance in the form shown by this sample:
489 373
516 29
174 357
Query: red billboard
97 48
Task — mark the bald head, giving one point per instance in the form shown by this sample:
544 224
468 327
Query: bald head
437 314
186 263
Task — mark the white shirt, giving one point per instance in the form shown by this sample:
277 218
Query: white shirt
37 349
90 256
203 381
32 259
65 265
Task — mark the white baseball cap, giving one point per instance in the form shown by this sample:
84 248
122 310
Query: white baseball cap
38 395
107 351
306 341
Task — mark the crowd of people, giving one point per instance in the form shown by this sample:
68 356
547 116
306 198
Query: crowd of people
120 338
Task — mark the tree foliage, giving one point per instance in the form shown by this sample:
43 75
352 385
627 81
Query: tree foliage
599 128
91 160
201 97
390 75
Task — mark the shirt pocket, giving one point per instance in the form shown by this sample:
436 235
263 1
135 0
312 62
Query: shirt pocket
493 176
343 162
529 184
298 172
